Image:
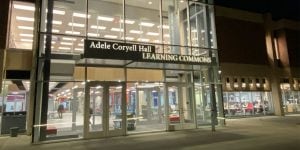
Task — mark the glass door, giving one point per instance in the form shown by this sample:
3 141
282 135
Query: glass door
104 109
180 100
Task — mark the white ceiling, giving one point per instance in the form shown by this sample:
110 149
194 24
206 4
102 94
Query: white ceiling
65 21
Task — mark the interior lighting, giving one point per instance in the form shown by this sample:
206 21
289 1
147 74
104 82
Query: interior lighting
69 39
150 3
72 32
111 36
147 24
167 35
55 30
24 7
78 49
105 18
64 48
26 40
26 35
66 43
76 24
127 21
24 18
143 40
136 31
98 27
25 27
81 15
92 34
129 38
164 26
117 29
80 44
153 33
59 12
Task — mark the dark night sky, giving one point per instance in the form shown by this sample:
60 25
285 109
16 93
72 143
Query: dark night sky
289 9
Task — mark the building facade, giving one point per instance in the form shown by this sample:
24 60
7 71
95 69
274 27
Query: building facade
90 69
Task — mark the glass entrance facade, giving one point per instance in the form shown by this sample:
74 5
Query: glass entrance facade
79 97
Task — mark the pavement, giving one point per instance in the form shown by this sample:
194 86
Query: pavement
258 133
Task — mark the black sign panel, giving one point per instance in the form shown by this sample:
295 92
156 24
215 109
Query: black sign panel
137 52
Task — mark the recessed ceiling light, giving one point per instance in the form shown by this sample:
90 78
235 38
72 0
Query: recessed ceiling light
129 38
127 21
69 39
181 1
147 24
56 22
78 49
66 43
136 31
25 27
143 40
26 35
164 26
24 7
92 34
26 40
55 30
80 44
81 15
153 33
73 32
59 12
149 2
117 29
64 48
105 18
76 24
167 35
111 36
98 27
24 18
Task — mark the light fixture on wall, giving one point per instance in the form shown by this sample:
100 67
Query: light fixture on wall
243 83
257 83
235 84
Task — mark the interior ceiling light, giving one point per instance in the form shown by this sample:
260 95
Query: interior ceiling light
26 40
129 38
136 31
78 49
143 40
117 29
167 35
25 27
80 44
92 34
147 24
111 36
69 39
59 12
66 43
98 27
105 18
127 21
56 22
153 33
64 48
149 2
26 35
164 26
24 18
76 24
55 30
24 7
181 1
81 15
73 32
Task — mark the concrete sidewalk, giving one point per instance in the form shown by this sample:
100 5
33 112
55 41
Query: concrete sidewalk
259 133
